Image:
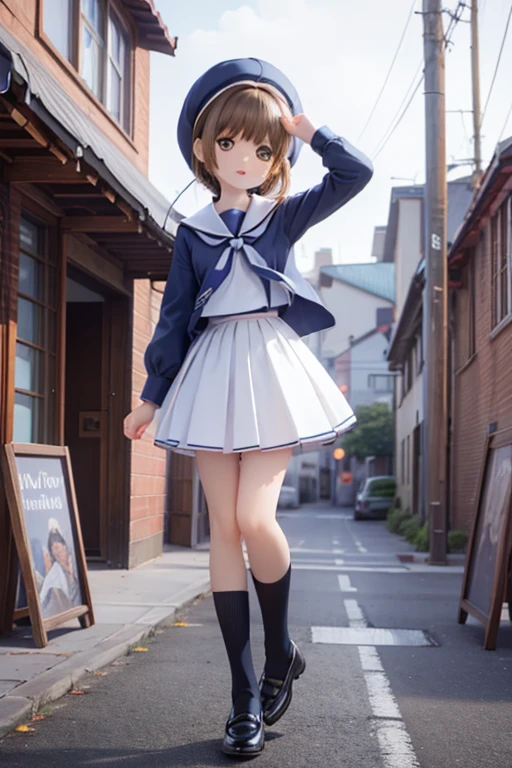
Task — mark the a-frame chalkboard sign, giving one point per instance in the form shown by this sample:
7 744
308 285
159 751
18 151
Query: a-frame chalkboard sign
486 574
46 526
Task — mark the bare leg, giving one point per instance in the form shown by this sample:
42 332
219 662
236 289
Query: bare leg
219 475
261 476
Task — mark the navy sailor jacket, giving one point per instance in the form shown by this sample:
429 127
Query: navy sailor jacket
204 251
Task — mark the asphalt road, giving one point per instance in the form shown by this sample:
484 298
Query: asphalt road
444 704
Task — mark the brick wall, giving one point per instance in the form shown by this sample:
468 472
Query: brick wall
482 388
19 17
148 481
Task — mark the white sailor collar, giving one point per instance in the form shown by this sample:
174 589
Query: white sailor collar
209 222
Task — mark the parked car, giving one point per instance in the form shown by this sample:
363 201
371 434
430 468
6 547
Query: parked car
288 497
375 497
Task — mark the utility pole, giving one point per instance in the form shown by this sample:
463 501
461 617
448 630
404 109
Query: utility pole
475 77
435 300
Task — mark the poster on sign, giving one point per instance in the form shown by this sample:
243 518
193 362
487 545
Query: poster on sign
46 528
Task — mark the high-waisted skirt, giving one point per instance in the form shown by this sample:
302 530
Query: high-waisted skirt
250 383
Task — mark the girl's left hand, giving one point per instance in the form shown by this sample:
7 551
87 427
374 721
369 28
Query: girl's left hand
298 125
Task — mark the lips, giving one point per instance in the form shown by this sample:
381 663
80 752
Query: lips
242 173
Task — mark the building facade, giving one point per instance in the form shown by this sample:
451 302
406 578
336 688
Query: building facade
404 245
480 263
85 245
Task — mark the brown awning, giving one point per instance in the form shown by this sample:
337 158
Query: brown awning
99 193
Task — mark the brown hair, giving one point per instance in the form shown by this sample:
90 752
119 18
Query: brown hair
253 114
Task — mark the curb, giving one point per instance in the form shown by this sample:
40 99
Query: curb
28 697
422 557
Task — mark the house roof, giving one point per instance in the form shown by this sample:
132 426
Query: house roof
153 35
376 278
494 183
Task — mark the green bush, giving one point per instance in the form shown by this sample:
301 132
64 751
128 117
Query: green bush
422 540
409 528
457 541
396 517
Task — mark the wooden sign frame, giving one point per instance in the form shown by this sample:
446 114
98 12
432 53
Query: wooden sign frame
486 515
84 611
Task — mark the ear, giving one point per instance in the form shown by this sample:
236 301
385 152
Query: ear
198 150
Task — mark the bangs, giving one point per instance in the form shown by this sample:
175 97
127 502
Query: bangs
253 115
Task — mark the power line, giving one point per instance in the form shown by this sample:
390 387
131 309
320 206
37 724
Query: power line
505 123
389 70
497 65
394 125
456 17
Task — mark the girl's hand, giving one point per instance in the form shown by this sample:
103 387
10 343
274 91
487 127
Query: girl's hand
136 423
298 125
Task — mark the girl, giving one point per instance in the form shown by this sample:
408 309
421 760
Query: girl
231 379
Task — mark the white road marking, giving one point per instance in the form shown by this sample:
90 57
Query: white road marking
394 741
339 562
356 568
335 542
360 546
355 614
338 551
311 551
345 586
395 744
369 636
370 659
301 543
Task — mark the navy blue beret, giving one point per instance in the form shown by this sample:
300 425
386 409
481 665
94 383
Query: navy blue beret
222 76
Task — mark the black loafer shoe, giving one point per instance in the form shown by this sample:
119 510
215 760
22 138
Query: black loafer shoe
244 735
276 695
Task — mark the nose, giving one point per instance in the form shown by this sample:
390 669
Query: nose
245 159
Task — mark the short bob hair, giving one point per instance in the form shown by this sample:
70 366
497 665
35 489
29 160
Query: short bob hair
54 537
253 114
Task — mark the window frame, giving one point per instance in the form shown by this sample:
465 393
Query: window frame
501 263
73 66
372 377
49 257
471 277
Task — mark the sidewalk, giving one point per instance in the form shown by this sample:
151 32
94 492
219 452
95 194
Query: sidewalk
128 606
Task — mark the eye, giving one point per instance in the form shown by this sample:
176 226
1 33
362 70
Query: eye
225 144
264 153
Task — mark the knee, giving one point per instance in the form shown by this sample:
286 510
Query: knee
226 530
250 524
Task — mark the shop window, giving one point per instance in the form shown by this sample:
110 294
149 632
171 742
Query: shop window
501 266
36 344
91 36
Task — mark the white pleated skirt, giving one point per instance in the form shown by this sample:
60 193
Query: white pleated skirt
250 383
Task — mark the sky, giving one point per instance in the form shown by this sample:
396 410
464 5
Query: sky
337 54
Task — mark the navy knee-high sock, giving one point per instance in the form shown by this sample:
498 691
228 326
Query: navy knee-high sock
273 599
233 614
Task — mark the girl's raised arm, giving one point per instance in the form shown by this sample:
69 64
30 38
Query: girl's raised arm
349 172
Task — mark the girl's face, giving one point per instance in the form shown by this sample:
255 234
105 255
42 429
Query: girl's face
60 552
242 164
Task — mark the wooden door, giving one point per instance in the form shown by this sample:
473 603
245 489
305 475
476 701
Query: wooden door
85 424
